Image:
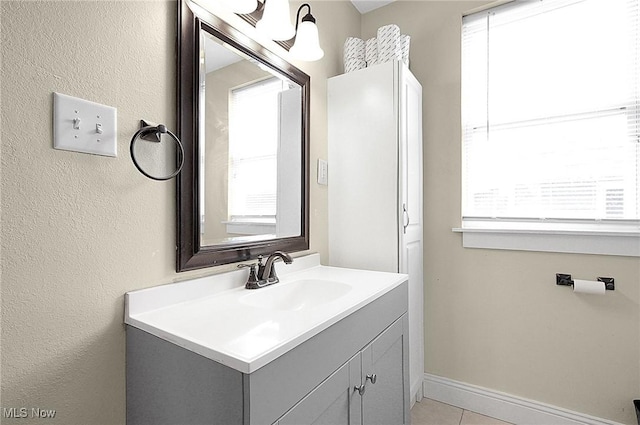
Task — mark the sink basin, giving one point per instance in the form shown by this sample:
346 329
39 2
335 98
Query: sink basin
296 295
216 317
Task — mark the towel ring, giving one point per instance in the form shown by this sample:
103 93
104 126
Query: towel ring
153 159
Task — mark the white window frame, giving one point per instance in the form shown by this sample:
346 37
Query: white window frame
607 237
601 237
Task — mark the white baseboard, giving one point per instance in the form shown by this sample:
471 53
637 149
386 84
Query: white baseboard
503 406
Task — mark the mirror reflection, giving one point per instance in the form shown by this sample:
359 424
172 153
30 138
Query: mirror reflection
250 149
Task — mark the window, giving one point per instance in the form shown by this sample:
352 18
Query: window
551 122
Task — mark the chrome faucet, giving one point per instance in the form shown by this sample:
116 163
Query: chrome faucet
266 273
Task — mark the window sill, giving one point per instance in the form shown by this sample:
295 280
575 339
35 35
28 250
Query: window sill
578 238
250 227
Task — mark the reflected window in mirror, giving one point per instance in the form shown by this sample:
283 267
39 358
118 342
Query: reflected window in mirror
253 158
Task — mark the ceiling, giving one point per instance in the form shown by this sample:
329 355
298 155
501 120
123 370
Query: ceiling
365 6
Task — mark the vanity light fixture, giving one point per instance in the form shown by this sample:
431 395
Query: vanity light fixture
241 6
275 24
276 21
307 44
235 6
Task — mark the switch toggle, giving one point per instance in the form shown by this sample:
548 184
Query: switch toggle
93 126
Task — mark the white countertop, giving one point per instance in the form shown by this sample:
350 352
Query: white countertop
211 316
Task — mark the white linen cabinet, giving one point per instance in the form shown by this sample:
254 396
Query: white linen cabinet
375 183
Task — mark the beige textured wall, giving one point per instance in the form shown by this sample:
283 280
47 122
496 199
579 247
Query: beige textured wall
496 318
78 231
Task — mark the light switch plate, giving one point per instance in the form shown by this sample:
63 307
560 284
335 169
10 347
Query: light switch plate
83 126
323 172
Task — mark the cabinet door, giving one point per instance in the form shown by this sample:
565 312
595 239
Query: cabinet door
384 401
333 402
363 174
411 256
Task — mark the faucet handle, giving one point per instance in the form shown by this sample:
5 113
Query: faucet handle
252 280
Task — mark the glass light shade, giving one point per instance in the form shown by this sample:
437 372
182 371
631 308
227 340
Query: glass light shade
307 44
236 6
276 21
241 6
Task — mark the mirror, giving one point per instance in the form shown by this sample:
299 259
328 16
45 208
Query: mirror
243 120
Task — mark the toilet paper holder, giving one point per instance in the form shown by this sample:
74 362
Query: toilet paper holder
566 280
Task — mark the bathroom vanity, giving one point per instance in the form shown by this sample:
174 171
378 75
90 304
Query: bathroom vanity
325 345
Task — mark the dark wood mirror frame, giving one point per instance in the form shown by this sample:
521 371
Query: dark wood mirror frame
190 255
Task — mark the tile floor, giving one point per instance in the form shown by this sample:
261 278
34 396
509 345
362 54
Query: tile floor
431 412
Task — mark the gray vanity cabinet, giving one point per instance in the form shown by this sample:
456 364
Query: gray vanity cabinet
368 389
313 383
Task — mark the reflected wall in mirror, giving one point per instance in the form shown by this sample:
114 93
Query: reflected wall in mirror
243 118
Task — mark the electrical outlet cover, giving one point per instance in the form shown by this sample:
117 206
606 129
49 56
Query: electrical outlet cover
323 172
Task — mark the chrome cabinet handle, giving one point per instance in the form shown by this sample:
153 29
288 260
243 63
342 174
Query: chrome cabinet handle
361 388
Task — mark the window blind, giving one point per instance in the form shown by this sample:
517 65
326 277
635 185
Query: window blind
551 107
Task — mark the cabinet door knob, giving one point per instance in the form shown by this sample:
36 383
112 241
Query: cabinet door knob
359 388
373 378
